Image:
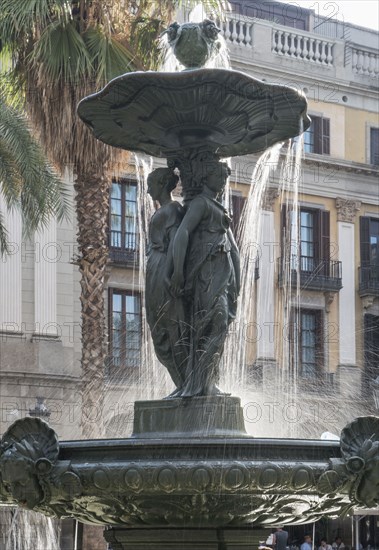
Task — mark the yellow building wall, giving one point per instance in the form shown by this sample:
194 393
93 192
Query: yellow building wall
349 129
336 114
357 125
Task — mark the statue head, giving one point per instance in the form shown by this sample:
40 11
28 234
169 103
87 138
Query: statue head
216 175
28 451
161 180
19 476
194 44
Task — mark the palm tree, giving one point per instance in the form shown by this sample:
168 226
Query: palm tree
62 51
27 182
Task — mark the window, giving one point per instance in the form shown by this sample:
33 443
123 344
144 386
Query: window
310 344
124 329
369 231
305 259
369 269
317 137
374 146
307 344
123 234
309 238
289 15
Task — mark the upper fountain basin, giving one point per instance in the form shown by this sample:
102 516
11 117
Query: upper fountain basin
223 111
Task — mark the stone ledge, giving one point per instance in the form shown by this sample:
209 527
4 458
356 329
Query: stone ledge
218 416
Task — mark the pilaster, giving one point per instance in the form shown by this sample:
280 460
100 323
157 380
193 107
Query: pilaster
346 213
266 282
10 273
45 280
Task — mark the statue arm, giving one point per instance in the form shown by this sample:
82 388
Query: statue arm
169 259
190 221
234 252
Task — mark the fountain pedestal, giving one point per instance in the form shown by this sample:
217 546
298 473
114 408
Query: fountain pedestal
182 539
211 416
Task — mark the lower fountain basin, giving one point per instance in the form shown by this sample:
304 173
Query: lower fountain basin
190 482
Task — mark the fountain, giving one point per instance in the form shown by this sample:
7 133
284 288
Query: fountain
190 477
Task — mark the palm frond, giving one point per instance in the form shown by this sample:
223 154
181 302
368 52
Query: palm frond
211 5
21 19
10 179
61 54
109 57
31 184
4 249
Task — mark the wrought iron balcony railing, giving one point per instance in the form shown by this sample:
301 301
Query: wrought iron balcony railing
314 274
369 280
123 247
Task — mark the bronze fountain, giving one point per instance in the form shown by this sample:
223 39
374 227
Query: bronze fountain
190 477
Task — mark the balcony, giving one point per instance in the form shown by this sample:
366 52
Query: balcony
369 280
123 248
310 273
263 43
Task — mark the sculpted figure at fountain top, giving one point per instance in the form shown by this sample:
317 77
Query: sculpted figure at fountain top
164 312
207 276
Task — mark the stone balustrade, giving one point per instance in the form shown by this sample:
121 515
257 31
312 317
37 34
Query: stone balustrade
365 62
237 30
306 47
248 39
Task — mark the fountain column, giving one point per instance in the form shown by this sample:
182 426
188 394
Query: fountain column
266 362
348 373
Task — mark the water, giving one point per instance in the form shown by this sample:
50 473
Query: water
26 530
248 232
150 380
286 382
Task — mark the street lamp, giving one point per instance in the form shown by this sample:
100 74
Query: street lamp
40 410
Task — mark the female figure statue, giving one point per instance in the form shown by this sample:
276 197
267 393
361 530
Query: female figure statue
164 313
207 275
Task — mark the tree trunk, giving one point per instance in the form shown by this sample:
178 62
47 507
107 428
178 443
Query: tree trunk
92 202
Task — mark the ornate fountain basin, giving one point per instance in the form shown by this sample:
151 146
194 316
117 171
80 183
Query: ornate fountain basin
197 482
220 111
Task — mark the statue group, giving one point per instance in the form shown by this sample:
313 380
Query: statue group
192 279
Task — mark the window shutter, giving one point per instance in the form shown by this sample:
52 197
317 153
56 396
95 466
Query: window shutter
374 146
326 136
285 230
325 241
317 132
365 240
371 349
320 341
238 202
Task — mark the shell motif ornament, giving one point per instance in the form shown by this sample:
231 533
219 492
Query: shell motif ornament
357 474
28 451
